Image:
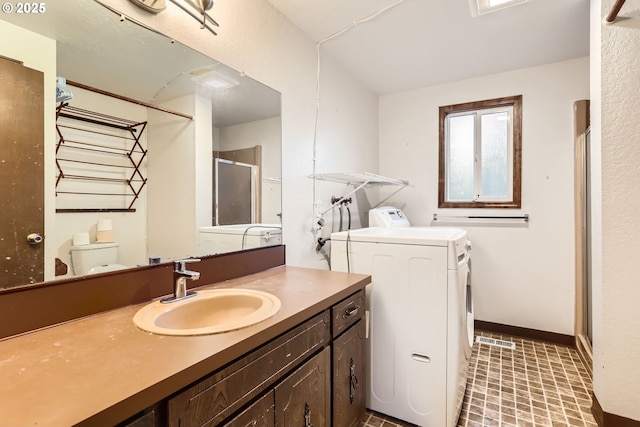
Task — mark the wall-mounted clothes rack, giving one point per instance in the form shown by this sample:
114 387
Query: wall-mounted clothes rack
524 218
360 180
100 153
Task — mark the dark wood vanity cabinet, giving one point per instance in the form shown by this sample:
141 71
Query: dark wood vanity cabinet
311 376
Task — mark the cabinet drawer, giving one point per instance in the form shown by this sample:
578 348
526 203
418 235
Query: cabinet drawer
215 398
347 312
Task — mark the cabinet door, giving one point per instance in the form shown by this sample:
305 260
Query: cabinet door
259 414
304 398
348 376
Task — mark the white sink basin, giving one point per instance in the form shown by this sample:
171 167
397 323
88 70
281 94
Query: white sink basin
209 312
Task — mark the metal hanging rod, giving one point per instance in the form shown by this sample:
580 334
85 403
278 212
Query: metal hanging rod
102 179
98 148
125 98
83 162
614 11
524 217
95 132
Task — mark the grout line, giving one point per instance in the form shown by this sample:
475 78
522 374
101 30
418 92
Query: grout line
545 393
500 389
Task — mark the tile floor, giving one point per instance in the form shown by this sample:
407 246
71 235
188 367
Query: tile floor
537 384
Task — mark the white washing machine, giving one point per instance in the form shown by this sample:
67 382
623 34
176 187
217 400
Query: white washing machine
420 312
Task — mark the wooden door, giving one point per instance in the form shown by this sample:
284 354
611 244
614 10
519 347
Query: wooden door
304 397
21 173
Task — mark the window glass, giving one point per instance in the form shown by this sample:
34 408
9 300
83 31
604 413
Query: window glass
495 149
460 173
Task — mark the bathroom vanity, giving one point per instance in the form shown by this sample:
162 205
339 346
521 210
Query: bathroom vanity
303 366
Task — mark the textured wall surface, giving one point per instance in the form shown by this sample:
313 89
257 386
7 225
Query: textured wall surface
617 341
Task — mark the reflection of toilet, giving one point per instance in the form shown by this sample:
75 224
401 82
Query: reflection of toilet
95 258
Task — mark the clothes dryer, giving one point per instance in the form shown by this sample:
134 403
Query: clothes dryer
420 312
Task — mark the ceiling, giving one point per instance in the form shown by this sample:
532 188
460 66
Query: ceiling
419 43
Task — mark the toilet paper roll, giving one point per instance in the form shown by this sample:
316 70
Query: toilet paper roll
105 225
80 239
105 237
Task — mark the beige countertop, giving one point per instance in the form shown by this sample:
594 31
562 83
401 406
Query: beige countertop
99 370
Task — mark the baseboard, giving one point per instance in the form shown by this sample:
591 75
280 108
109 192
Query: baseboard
605 419
534 334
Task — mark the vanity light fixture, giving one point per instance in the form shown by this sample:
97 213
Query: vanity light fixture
482 7
153 6
199 12
197 9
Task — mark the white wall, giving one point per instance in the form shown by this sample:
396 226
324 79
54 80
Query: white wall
616 135
203 164
523 275
171 225
39 53
256 39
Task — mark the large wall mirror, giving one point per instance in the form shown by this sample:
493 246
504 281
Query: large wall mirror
160 153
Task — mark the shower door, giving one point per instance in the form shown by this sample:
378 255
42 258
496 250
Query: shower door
237 189
586 267
234 192
583 261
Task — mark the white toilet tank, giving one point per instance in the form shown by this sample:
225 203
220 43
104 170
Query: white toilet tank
95 258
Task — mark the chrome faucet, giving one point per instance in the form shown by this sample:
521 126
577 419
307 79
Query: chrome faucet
180 276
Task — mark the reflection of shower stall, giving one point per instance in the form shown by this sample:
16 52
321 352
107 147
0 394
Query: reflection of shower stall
237 186
234 192
582 179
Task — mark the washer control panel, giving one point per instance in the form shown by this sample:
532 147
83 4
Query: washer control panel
387 217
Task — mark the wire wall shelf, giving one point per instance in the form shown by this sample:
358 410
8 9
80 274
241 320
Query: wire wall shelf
99 161
360 180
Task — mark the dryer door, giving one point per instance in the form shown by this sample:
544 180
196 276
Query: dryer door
459 346
469 317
